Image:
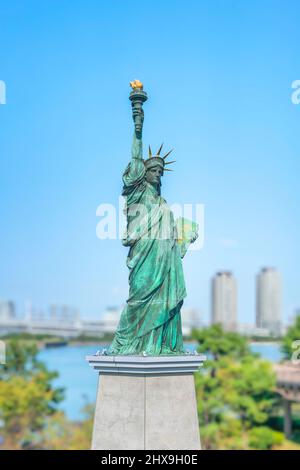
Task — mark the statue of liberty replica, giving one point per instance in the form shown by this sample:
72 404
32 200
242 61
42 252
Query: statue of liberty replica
151 321
146 393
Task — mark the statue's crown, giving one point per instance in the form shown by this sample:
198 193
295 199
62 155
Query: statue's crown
156 159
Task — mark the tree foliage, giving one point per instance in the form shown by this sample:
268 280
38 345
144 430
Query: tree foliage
27 396
235 391
60 433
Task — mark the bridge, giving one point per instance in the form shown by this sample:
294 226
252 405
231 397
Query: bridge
59 327
288 386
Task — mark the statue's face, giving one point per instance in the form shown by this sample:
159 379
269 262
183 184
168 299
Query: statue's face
154 174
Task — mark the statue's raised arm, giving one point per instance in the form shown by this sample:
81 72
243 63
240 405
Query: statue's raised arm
136 169
137 97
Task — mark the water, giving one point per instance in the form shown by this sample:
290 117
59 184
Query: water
80 381
75 375
270 351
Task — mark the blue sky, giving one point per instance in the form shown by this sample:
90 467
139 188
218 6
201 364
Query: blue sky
218 75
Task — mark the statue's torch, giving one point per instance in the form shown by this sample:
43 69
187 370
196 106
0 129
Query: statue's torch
137 97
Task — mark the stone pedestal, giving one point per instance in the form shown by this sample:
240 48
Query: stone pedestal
287 408
146 402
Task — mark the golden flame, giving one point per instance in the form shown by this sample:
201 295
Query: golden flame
136 84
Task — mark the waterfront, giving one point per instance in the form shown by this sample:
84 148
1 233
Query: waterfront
80 381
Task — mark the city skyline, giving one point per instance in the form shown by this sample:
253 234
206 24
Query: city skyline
223 101
267 316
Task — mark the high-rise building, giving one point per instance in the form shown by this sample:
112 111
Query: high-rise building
224 300
110 319
190 319
7 310
268 300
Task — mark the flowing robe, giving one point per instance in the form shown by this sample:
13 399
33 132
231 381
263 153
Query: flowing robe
151 319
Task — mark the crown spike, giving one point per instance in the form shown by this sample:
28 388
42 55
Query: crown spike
167 154
169 163
150 153
167 169
159 150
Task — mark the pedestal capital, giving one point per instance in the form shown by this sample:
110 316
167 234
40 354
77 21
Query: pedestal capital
146 365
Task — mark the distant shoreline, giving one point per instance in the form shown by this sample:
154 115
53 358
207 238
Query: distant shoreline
50 345
265 343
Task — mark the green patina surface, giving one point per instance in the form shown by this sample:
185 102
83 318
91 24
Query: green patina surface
150 322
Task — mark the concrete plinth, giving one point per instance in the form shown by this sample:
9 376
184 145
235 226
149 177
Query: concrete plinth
146 403
287 408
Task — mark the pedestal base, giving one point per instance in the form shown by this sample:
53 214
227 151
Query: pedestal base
146 403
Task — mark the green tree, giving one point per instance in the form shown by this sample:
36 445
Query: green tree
60 433
235 391
27 396
264 438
